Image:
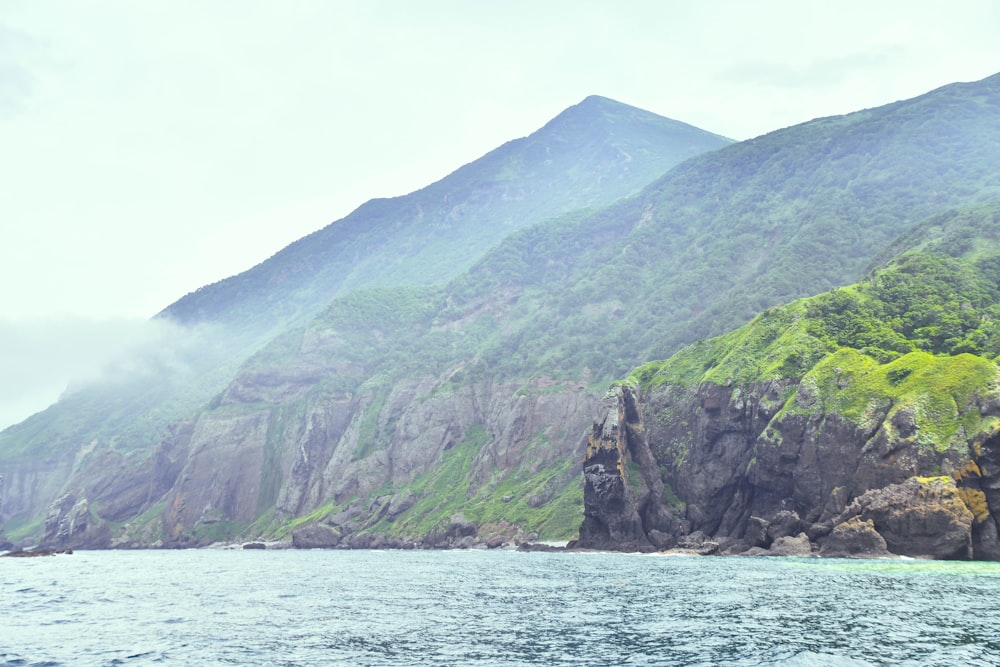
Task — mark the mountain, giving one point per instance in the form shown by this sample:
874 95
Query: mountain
590 155
444 414
863 421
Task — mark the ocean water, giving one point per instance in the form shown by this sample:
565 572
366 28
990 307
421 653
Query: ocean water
235 607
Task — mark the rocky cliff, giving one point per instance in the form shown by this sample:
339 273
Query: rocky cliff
591 155
741 468
414 463
820 427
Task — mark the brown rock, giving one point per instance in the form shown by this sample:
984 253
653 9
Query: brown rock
854 538
924 517
788 545
316 536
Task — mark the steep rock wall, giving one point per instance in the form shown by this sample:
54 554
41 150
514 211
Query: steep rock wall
249 466
746 465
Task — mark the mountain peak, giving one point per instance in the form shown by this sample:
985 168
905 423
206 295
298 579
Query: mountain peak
598 104
595 111
600 100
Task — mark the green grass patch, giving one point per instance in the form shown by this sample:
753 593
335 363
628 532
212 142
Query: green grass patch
547 500
219 531
318 514
368 436
940 392
24 527
775 345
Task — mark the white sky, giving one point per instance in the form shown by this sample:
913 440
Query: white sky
148 148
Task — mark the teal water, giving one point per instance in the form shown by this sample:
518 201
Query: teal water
233 607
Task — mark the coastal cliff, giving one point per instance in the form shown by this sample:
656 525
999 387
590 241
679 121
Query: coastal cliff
782 438
418 464
736 468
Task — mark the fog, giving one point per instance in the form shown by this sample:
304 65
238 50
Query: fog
42 359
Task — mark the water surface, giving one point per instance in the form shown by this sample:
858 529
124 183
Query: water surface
234 607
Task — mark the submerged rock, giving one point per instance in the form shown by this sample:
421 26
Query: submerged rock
36 552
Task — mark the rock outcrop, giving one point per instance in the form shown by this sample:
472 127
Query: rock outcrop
922 517
315 536
763 474
70 525
855 538
611 511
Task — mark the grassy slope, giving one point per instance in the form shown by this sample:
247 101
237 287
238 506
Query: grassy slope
919 333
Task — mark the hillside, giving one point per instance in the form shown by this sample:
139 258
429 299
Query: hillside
862 421
439 414
590 155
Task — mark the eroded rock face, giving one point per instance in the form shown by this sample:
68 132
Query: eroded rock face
210 477
28 488
922 517
69 526
611 514
983 493
855 538
738 469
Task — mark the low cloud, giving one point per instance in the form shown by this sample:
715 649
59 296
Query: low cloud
42 359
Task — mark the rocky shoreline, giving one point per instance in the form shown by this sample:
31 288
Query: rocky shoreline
33 553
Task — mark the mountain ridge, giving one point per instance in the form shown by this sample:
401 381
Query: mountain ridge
476 180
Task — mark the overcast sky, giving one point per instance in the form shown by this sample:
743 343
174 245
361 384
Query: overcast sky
148 148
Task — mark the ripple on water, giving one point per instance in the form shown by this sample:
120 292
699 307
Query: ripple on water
497 608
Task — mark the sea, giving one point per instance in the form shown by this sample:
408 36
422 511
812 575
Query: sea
478 607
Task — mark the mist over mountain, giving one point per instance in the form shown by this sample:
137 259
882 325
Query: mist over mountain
46 358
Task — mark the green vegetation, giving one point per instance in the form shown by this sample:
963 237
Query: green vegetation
918 335
320 513
547 500
939 392
22 526
218 531
921 302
